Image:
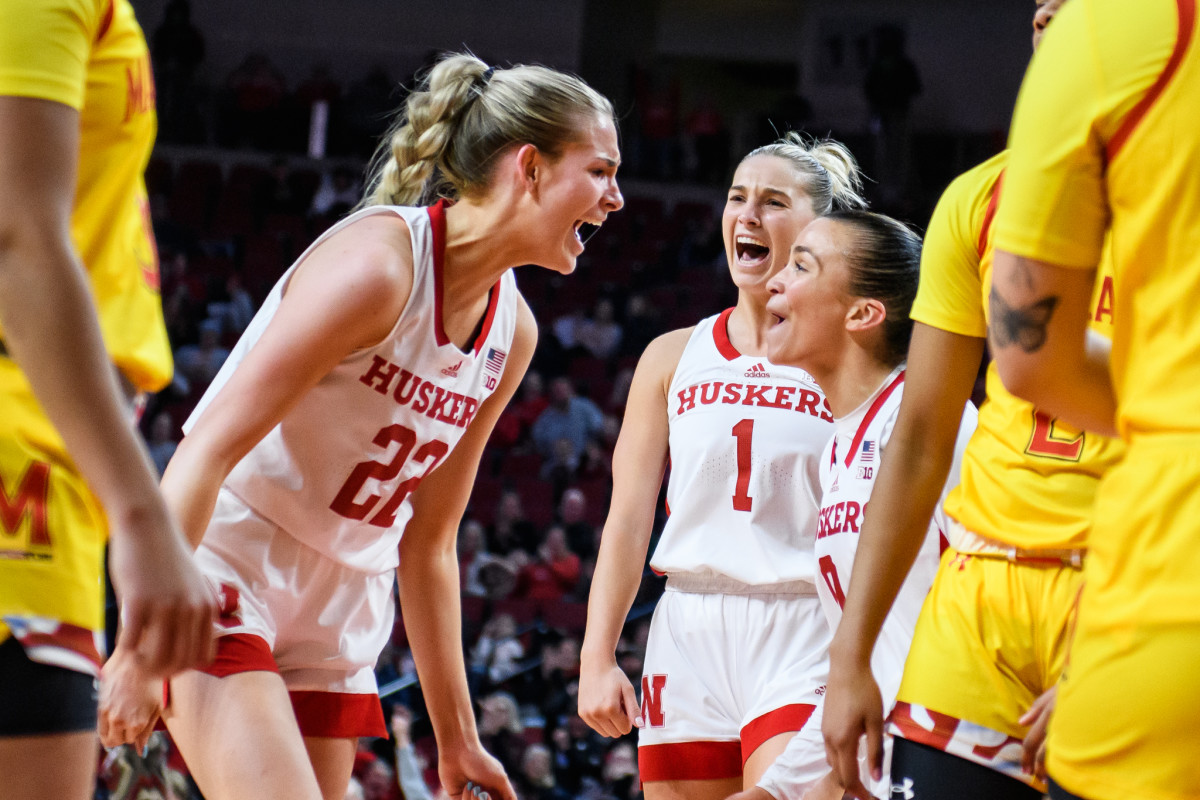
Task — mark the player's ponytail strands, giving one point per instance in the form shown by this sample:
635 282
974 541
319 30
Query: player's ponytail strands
464 115
885 264
831 176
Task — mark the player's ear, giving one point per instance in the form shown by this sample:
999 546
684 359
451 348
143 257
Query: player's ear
864 314
529 162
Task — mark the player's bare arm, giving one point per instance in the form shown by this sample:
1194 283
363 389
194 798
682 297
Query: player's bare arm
430 593
607 700
1042 348
941 373
52 332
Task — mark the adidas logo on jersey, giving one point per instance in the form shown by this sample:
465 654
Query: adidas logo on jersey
452 371
758 371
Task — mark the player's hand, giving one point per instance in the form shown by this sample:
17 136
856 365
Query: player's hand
130 701
167 608
853 709
607 701
1033 749
469 773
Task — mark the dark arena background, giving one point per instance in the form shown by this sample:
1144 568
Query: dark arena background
268 113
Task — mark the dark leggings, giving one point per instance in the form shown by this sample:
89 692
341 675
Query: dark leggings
38 698
920 772
1059 793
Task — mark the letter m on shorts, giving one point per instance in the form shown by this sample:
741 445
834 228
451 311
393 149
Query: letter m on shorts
652 691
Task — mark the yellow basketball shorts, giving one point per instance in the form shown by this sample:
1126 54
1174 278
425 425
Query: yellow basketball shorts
991 638
52 536
1128 717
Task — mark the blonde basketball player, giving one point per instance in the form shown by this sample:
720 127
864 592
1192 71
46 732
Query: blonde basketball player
341 439
736 662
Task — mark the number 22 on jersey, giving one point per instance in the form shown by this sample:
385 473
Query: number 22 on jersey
431 453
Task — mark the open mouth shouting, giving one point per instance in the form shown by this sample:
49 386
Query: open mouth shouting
750 251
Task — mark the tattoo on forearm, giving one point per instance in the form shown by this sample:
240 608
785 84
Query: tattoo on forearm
1023 326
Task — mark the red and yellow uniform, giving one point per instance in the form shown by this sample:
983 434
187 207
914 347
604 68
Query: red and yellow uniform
998 639
89 55
1105 143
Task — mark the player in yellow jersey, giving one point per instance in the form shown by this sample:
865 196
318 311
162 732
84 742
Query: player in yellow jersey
76 127
1105 144
992 636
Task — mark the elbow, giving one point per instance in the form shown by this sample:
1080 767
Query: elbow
1021 375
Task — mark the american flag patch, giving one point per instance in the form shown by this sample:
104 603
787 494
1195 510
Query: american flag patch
868 451
494 361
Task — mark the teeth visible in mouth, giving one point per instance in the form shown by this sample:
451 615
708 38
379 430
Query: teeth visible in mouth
750 249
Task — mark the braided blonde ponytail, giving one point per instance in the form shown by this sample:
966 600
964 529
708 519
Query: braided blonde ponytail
464 116
831 176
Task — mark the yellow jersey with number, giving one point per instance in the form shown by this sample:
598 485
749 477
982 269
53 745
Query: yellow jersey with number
1028 480
91 55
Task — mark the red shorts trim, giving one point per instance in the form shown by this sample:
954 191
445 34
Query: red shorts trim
338 715
788 719
241 652
689 761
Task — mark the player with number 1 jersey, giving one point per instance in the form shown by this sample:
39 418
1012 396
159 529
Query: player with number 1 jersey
736 659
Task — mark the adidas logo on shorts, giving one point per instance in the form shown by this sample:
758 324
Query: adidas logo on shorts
758 371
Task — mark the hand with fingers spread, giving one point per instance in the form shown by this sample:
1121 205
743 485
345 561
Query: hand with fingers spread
607 701
1033 749
130 701
469 773
167 608
853 709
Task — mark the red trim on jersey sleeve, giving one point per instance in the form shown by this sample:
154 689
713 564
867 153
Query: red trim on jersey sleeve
106 20
788 719
493 304
689 761
1186 10
241 652
437 226
721 337
338 715
989 216
870 417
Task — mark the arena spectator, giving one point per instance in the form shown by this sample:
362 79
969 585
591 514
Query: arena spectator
536 780
600 334
569 416
553 574
199 363
501 730
511 529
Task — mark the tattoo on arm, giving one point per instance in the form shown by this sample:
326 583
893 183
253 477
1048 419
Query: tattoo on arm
1023 326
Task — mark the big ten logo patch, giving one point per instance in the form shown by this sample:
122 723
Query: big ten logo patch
653 687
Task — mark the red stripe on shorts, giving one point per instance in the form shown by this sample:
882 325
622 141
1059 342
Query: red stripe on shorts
338 715
788 719
689 761
241 652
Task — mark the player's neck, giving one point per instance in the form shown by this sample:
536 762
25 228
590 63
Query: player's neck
480 247
748 326
853 378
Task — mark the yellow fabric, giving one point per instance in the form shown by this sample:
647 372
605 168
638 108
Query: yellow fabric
991 638
1027 480
1066 188
1125 725
50 570
91 55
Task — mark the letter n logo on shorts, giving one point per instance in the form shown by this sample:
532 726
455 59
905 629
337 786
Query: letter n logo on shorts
652 690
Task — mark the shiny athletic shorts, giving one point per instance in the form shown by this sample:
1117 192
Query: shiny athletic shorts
726 670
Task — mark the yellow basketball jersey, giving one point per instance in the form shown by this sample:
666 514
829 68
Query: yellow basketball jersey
98 64
1027 479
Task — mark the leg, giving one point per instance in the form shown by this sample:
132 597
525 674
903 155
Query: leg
764 757
239 736
1059 793
920 772
692 790
60 766
333 761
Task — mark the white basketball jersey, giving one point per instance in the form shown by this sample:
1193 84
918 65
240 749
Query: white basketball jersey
848 470
745 440
337 471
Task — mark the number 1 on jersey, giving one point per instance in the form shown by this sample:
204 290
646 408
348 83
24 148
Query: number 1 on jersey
744 433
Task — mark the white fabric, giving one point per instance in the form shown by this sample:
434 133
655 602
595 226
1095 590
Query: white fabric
728 659
385 416
324 623
724 406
